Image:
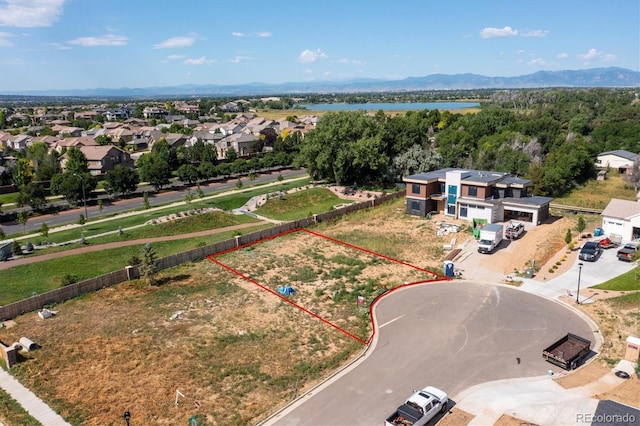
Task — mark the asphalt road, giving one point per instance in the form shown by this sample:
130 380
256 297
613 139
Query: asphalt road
110 208
451 335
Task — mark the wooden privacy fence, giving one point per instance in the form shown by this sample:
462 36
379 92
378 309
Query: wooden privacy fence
70 291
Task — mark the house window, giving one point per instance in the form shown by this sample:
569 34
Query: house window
473 191
463 210
451 209
415 188
441 187
415 205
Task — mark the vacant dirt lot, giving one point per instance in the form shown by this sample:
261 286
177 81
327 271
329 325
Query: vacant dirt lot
236 352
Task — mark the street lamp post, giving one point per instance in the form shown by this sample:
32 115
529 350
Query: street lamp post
579 274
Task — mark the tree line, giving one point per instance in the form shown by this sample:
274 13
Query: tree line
549 136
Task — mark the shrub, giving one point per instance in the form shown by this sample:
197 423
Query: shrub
68 279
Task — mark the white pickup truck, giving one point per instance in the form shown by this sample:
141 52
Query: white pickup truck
419 408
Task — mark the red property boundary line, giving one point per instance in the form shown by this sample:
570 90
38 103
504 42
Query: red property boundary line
313 314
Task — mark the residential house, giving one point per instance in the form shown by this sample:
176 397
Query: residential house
116 114
102 158
49 140
19 142
154 112
241 143
474 194
67 130
66 143
622 217
173 139
619 159
207 137
4 139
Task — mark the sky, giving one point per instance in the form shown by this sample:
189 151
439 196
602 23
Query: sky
87 44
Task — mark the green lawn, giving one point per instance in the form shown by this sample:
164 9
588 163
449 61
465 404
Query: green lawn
12 413
21 281
299 205
628 281
226 202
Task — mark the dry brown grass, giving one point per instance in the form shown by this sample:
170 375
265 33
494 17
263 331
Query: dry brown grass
235 352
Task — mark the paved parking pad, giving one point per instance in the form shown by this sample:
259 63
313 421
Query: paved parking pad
451 335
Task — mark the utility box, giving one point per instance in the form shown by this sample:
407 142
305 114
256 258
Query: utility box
633 349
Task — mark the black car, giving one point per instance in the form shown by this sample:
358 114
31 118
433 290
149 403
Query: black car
590 251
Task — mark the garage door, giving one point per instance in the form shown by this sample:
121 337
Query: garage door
612 227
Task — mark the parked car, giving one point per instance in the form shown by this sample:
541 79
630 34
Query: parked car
628 252
590 251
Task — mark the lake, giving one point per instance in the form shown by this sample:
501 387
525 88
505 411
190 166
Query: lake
402 106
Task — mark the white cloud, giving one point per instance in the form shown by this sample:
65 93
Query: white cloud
256 34
60 46
562 55
591 54
537 62
3 39
343 61
308 56
239 59
175 57
175 42
202 60
535 33
30 13
498 32
596 54
105 40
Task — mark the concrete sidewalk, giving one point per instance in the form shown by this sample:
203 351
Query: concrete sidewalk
29 401
538 400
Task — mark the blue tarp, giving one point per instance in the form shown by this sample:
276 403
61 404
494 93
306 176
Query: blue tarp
286 290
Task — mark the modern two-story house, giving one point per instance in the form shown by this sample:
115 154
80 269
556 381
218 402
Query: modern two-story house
475 194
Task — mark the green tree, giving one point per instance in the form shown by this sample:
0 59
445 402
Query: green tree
153 169
44 230
22 218
231 154
145 200
45 162
15 248
581 224
345 147
76 162
81 219
187 173
207 170
188 197
23 172
568 237
33 195
121 180
75 188
166 152
148 266
2 234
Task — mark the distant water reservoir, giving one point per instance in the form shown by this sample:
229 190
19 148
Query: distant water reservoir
402 106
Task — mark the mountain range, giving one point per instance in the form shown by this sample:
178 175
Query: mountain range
594 77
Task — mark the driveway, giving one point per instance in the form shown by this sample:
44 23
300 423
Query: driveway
451 335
